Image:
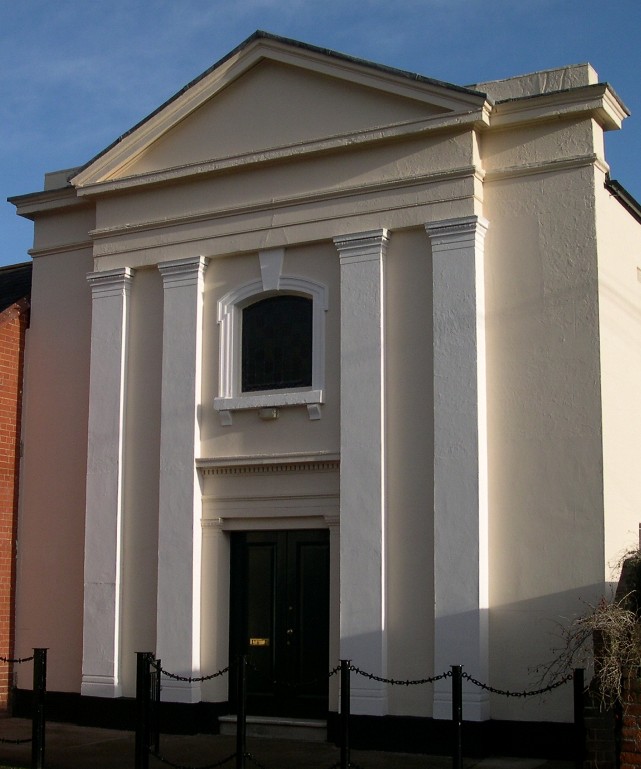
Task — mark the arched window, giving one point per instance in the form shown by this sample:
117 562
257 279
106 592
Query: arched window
277 343
272 347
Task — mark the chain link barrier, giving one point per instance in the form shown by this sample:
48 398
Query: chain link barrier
190 679
38 717
351 765
15 742
255 761
398 682
17 661
522 694
334 671
167 762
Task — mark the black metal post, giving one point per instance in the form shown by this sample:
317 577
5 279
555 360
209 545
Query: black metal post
142 709
38 708
579 717
346 666
241 717
154 719
457 717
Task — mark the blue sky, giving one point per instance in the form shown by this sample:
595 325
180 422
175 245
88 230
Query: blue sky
76 74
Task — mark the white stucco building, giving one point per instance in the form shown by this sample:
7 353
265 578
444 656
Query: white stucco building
435 463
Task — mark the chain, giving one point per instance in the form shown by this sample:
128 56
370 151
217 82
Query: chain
166 761
396 682
505 693
254 761
358 671
189 679
17 661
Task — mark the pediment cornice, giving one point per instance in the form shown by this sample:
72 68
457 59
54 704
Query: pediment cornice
263 47
344 142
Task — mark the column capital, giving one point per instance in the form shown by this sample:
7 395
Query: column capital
183 272
110 282
362 246
454 231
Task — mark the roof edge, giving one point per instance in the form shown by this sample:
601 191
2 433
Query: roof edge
627 200
262 35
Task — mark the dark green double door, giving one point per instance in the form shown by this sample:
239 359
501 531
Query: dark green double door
280 617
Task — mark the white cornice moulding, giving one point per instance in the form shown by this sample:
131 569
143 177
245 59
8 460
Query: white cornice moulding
546 167
268 459
597 101
64 248
46 202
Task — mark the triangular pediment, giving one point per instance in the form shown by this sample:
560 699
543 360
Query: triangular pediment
268 96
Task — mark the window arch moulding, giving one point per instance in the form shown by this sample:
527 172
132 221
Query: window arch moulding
231 397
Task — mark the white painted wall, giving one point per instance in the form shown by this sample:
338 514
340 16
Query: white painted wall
544 423
619 264
410 497
52 506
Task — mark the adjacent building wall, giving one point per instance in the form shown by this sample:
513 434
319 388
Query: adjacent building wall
52 509
14 321
619 264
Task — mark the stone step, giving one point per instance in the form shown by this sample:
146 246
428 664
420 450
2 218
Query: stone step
305 729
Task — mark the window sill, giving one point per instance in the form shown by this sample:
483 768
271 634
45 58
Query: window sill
310 398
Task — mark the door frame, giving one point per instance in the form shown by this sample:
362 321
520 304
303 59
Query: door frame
281 618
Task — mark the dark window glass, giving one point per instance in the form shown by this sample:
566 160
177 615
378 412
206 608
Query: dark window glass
277 344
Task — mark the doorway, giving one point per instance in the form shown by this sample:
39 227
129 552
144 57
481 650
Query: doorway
279 617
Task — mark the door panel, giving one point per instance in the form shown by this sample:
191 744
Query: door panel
280 618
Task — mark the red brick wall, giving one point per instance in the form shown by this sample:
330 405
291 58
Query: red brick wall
13 323
630 756
600 735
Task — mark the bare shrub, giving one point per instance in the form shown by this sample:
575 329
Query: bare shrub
606 641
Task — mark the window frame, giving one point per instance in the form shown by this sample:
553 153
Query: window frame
230 395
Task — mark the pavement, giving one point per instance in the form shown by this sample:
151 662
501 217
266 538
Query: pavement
68 746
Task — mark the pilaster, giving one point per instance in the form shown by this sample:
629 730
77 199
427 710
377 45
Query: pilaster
110 292
460 461
180 504
215 578
362 527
